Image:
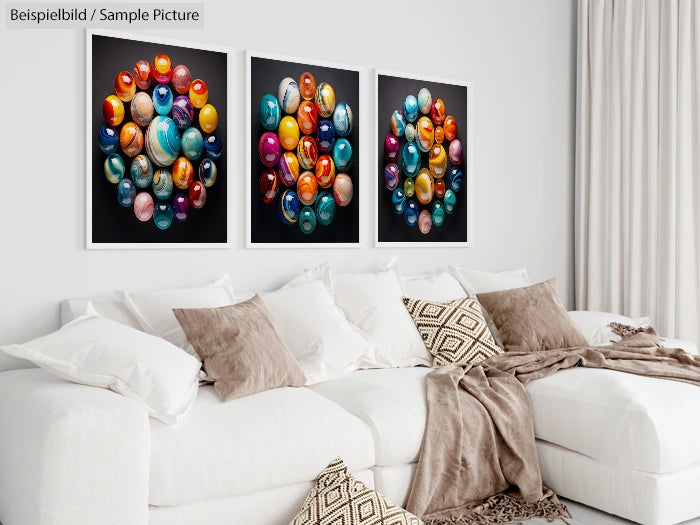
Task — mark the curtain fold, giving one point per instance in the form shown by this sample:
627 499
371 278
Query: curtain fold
637 218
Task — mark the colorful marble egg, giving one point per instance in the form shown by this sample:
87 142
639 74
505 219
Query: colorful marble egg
124 86
143 206
342 189
213 147
192 143
391 148
439 134
425 222
207 172
131 139
141 171
142 74
398 123
425 134
307 220
437 213
288 95
325 136
410 159
208 118
181 79
162 99
307 117
162 141
325 208
391 176
307 86
288 168
437 161
424 187
108 139
307 188
343 119
126 192
398 201
437 111
410 132
325 99
113 110
307 152
409 187
450 127
162 184
288 207
288 132
183 112
325 171
197 195
410 108
162 215
410 214
183 173
269 112
269 149
114 168
142 108
439 188
342 154
455 179
455 152
181 207
162 68
269 185
425 100
450 201
199 93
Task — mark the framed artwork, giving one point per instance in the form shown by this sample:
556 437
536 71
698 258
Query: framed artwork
303 183
157 143
423 171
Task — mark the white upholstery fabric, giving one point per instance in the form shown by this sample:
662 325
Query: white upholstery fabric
395 482
622 420
72 454
270 507
108 306
649 499
391 402
264 441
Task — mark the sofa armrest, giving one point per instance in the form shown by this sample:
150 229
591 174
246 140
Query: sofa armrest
70 454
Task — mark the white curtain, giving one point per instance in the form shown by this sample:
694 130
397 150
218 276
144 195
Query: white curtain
638 161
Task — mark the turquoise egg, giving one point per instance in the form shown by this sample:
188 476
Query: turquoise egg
162 99
270 112
342 119
141 171
342 155
398 123
325 208
398 201
163 215
126 192
114 168
410 159
450 201
438 213
162 141
410 108
192 143
307 220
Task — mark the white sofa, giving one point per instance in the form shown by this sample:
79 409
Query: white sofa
78 455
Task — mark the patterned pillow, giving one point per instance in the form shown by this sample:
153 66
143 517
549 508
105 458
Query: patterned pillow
454 331
339 498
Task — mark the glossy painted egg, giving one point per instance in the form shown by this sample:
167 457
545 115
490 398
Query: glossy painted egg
269 112
162 69
207 172
162 215
124 86
307 220
143 206
113 110
197 195
269 149
425 222
391 176
208 118
269 185
181 79
288 168
342 189
142 74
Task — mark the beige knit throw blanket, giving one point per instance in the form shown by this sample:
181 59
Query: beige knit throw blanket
478 463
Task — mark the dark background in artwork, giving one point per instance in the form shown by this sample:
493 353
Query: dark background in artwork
265 225
391 227
112 223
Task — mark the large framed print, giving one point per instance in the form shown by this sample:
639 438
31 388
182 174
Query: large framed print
424 159
303 171
157 143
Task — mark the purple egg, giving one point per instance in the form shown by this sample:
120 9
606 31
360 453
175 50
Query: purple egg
269 149
391 176
181 207
456 152
183 112
391 148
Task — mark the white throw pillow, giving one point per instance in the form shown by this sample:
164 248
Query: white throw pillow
373 302
440 287
316 331
320 273
99 352
154 309
594 325
475 282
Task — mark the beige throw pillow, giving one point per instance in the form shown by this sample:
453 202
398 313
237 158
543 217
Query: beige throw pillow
240 348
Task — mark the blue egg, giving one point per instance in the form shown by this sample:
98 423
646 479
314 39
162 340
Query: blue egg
455 179
270 112
307 220
438 213
114 168
126 192
289 207
342 119
411 213
207 172
325 208
325 136
163 215
192 143
108 139
342 155
213 146
410 108
162 183
410 159
398 201
398 123
162 99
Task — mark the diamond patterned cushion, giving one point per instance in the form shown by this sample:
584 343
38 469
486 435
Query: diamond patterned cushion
454 331
340 499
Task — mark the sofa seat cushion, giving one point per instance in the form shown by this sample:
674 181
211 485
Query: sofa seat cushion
260 442
391 402
619 419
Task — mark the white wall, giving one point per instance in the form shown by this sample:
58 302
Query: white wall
520 55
